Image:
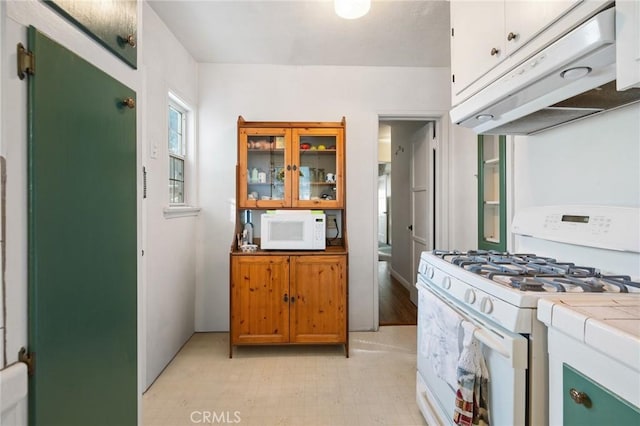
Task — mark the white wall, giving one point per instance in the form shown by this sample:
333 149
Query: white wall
3 361
463 193
301 93
170 249
592 161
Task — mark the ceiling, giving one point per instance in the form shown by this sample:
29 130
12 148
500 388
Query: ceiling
404 33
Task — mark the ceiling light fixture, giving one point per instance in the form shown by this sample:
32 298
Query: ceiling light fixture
351 9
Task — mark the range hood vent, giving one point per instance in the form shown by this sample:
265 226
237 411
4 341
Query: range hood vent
571 79
600 99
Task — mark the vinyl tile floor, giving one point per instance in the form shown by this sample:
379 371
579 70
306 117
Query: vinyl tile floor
289 385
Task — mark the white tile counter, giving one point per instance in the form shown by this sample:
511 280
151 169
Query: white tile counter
609 324
597 335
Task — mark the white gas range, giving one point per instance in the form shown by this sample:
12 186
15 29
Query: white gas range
559 251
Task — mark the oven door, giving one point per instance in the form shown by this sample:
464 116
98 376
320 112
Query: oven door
506 356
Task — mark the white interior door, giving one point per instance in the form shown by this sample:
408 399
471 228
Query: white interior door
383 211
422 207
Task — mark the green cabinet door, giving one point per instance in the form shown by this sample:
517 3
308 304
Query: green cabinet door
82 242
112 23
492 206
586 403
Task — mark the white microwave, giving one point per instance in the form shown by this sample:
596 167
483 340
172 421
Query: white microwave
292 230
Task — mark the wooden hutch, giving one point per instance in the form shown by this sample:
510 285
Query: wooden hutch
290 296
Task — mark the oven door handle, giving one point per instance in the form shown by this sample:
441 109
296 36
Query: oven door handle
511 346
514 349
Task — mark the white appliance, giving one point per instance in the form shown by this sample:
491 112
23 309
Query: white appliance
498 294
14 394
293 230
572 78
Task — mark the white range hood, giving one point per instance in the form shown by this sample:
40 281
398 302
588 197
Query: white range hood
572 78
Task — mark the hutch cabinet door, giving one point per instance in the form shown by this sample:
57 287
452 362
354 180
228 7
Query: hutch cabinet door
319 286
264 168
318 154
259 299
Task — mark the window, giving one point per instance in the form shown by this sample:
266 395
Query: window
182 162
177 153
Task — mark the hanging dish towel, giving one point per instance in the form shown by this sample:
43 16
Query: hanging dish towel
472 405
440 327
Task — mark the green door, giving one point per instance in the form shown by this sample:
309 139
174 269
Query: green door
82 242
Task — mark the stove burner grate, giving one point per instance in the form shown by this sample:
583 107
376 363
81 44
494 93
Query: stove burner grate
530 272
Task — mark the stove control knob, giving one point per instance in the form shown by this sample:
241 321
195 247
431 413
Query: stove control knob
470 296
446 283
486 306
430 272
422 267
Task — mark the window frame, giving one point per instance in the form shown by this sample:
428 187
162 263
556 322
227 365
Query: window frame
182 156
189 173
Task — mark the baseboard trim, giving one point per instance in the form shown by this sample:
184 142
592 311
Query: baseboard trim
413 291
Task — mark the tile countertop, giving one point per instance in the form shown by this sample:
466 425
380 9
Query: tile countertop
609 324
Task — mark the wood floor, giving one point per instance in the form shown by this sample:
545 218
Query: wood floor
395 306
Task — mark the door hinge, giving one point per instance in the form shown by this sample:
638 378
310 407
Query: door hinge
28 358
453 78
26 62
452 33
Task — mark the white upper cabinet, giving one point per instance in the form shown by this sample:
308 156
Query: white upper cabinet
526 19
477 45
485 34
627 44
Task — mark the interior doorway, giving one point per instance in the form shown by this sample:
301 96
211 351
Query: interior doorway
405 213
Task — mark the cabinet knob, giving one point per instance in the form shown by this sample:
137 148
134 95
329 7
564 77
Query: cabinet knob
511 36
293 299
288 167
285 298
129 102
129 39
494 51
580 397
